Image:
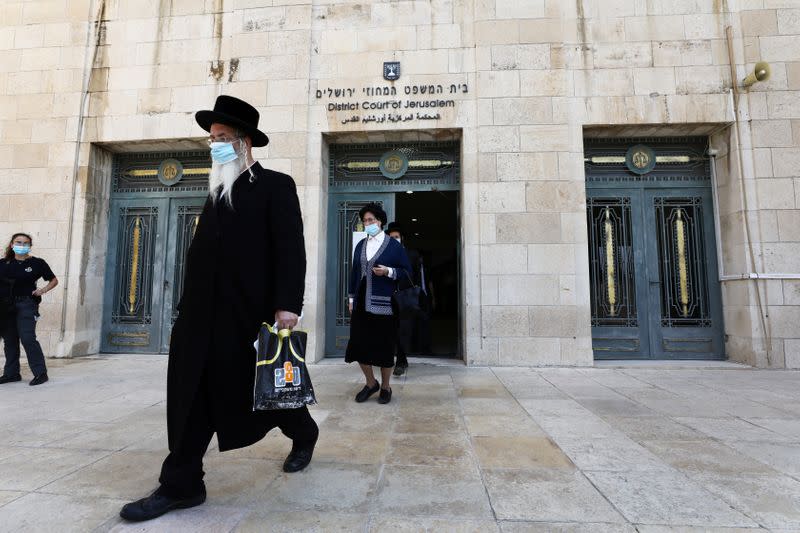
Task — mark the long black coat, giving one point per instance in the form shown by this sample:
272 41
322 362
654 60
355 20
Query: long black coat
243 264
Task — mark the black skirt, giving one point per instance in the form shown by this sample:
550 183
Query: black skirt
373 338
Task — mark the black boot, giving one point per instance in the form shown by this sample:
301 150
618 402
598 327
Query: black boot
158 504
299 457
9 379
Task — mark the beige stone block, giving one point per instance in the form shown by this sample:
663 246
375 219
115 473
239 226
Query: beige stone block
682 53
781 257
780 48
650 81
498 84
551 83
10 61
40 58
496 32
481 351
460 61
788 21
513 9
654 28
759 23
26 206
527 228
704 26
543 138
793 76
784 320
605 82
531 110
702 79
605 30
551 259
623 55
771 133
489 290
287 92
401 14
446 36
528 290
505 321
789 225
520 57
555 196
11 13
522 166
573 56
30 155
785 162
49 131
529 351
792 353
783 105
337 41
567 287
389 39
24 82
775 193
553 321
504 259
30 36
498 138
549 30
501 197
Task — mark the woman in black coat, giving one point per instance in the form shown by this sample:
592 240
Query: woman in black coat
378 261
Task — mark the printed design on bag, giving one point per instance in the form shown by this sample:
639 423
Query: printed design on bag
288 375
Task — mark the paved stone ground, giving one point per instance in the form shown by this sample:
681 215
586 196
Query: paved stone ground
458 449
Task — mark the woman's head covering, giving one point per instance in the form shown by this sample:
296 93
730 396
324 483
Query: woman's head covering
376 210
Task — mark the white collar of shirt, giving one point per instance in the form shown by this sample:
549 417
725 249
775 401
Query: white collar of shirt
373 244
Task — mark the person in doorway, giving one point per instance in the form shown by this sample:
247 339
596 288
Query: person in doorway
246 265
19 272
378 261
405 337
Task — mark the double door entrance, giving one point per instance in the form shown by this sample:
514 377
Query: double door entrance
652 258
151 225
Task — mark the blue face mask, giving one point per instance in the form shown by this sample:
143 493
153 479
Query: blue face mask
372 229
223 152
21 249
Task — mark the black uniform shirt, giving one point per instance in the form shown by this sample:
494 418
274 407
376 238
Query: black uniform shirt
25 273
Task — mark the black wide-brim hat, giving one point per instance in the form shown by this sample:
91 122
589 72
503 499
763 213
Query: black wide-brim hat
395 226
235 113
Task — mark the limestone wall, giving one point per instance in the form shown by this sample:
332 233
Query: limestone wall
538 74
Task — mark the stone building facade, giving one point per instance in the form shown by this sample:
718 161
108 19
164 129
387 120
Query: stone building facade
518 89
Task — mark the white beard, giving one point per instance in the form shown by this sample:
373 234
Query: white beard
224 175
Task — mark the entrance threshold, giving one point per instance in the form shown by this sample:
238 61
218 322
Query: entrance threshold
433 361
670 364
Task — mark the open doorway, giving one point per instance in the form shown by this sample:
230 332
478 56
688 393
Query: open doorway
430 223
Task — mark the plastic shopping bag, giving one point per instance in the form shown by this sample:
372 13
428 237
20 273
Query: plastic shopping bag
282 379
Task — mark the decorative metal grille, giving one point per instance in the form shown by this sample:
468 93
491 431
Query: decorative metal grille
681 255
612 271
133 285
348 222
678 159
428 164
188 218
138 172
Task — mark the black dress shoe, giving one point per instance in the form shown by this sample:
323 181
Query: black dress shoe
399 370
386 396
9 379
158 504
299 457
38 380
366 392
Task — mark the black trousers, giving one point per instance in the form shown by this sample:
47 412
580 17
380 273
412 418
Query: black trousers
182 471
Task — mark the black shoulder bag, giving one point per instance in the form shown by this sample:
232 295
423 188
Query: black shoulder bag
407 299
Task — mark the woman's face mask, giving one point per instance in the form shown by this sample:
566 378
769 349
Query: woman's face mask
21 249
372 229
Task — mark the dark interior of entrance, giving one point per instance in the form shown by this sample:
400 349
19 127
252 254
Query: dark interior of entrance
430 223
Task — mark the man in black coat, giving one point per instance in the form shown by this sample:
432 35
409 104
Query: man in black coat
246 265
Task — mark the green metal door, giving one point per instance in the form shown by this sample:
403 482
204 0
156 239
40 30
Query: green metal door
134 273
343 224
652 251
155 204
